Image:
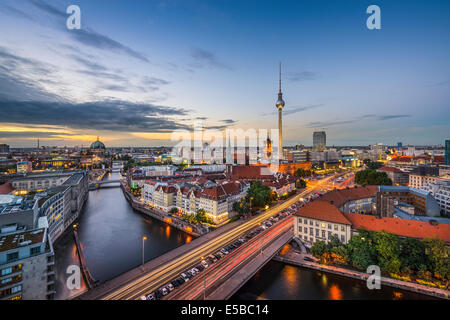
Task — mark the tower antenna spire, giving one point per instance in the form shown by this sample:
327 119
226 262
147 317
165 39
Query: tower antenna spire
280 78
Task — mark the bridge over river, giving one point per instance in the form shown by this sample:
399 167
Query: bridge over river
223 278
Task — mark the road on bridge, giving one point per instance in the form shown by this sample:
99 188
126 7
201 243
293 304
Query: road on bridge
220 271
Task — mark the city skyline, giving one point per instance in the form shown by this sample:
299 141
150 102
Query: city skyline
132 75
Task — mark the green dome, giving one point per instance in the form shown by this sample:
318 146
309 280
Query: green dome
98 145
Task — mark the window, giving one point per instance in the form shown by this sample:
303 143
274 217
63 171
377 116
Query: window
329 226
329 234
305 221
317 232
317 223
311 222
323 224
16 289
6 271
306 229
311 231
12 256
342 228
323 233
336 227
35 251
299 229
342 238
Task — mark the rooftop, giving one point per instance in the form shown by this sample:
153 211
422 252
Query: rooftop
401 227
17 240
322 210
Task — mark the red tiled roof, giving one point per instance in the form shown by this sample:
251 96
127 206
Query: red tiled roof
401 227
6 188
391 169
339 197
402 159
322 210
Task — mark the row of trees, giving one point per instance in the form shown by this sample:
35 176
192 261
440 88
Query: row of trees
258 196
372 165
372 177
302 173
425 259
199 217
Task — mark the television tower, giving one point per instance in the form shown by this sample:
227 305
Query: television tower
280 105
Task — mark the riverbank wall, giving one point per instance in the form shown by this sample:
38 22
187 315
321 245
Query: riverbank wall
296 259
172 221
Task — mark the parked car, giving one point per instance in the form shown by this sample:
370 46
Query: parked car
144 297
158 294
185 277
170 287
151 296
164 291
308 259
224 251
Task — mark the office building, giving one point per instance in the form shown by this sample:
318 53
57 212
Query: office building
319 141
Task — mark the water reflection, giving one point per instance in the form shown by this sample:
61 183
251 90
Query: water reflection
284 282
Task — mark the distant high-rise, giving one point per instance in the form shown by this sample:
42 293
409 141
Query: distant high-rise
447 152
280 105
4 148
319 141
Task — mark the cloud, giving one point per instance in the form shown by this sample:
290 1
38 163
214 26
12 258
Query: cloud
91 38
207 59
294 109
229 121
88 36
301 76
323 124
99 115
393 116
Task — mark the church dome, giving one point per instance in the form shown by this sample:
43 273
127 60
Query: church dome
98 145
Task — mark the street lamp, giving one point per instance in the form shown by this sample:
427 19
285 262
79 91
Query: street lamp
204 282
143 243
251 198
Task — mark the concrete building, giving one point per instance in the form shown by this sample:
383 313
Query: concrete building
398 176
40 181
319 220
4 148
422 175
440 190
319 141
447 152
26 265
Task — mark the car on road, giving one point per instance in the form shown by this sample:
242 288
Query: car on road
164 291
151 296
199 268
175 283
218 256
158 294
214 258
184 276
224 251
144 297
204 264
170 287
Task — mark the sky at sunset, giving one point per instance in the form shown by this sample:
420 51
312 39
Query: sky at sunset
138 70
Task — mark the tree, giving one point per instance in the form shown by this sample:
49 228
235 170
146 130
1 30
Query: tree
303 173
318 249
173 210
388 249
412 255
439 257
372 177
361 250
261 195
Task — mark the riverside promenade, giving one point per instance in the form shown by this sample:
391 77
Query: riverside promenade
293 257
